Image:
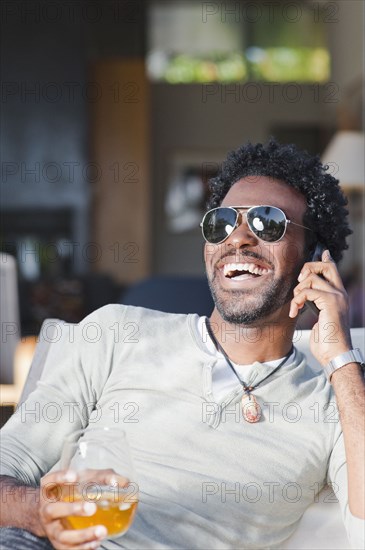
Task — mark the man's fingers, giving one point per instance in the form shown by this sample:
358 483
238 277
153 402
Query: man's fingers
81 538
77 539
313 281
313 295
326 268
60 476
326 256
64 539
57 510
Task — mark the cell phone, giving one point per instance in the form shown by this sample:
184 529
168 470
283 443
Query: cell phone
316 257
317 254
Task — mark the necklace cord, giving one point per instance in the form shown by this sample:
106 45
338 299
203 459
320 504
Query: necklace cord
218 346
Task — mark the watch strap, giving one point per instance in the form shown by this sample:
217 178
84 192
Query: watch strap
351 356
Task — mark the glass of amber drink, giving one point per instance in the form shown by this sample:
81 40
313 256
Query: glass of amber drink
102 461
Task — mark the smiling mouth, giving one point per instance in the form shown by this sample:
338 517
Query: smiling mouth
241 271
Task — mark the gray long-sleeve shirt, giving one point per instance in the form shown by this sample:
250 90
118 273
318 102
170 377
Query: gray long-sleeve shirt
207 478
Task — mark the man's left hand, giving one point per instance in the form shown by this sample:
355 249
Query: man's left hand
320 282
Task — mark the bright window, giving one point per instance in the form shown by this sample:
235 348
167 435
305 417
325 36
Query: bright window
237 41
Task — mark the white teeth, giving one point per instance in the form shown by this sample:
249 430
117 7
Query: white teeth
229 269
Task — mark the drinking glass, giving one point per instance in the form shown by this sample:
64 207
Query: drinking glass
105 476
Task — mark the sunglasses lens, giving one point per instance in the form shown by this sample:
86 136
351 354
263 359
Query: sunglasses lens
218 224
267 222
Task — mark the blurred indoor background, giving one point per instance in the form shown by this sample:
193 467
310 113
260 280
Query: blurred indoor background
115 113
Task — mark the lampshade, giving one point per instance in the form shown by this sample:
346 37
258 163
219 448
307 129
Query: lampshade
345 157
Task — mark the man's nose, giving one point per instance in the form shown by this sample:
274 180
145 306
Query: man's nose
242 235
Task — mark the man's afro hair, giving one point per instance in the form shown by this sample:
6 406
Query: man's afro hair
326 213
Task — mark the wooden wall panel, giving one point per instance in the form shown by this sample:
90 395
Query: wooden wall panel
120 126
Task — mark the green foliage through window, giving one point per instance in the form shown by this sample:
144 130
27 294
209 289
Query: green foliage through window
279 46
273 65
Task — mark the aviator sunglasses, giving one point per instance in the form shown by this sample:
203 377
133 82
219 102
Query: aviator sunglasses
268 223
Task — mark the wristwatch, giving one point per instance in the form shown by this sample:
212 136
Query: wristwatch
351 356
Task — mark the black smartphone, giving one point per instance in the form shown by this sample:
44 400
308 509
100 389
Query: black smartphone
316 257
317 254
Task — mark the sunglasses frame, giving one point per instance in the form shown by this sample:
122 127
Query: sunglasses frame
239 215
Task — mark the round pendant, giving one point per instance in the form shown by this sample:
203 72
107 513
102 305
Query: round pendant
251 410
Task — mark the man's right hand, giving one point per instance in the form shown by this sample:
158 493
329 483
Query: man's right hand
53 510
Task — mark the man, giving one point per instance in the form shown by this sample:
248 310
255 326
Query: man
214 442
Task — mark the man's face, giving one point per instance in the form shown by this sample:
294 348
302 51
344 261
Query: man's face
240 296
